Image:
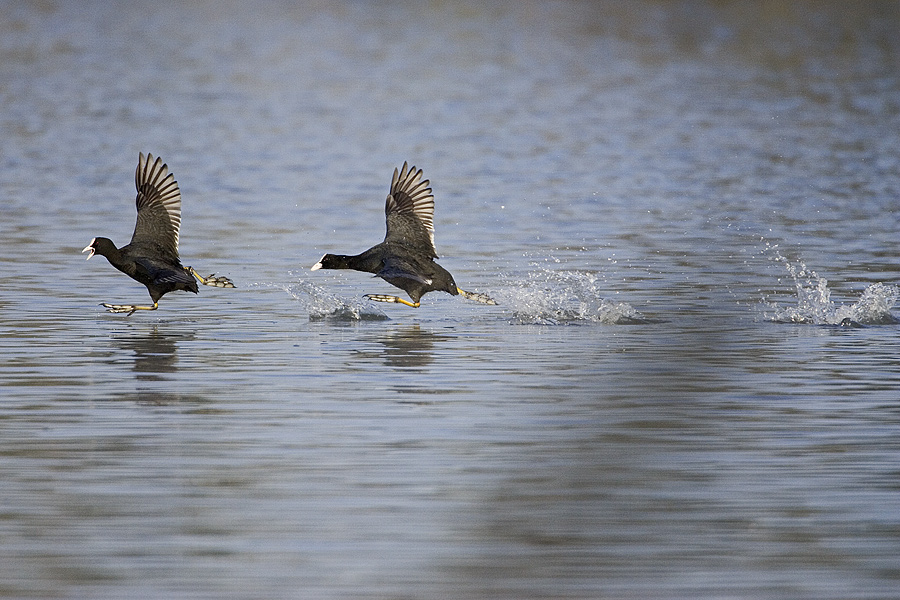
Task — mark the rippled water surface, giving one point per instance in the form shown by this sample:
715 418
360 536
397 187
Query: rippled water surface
689 387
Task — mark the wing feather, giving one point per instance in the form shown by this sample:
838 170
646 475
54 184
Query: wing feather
409 211
158 205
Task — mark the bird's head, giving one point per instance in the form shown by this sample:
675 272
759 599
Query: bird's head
101 246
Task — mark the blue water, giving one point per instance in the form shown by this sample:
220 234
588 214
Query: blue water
686 212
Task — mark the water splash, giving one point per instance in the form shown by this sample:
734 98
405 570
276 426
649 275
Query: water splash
547 297
815 306
325 306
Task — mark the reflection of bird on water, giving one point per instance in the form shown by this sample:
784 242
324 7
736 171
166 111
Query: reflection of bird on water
155 360
152 256
405 258
408 347
155 352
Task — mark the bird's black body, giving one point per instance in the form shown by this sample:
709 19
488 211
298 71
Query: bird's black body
401 266
405 258
149 265
152 256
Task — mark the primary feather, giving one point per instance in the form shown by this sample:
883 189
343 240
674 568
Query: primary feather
158 207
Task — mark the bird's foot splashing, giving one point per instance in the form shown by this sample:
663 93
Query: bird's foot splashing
814 305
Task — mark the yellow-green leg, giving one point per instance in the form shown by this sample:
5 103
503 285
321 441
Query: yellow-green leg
211 280
386 298
483 298
127 308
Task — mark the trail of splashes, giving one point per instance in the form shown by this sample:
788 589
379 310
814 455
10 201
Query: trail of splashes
325 306
547 297
814 304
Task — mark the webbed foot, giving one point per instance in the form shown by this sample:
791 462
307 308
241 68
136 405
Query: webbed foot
386 298
211 280
127 308
483 298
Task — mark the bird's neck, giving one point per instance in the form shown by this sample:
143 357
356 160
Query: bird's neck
113 255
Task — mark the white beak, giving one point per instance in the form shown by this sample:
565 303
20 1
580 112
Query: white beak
89 248
317 266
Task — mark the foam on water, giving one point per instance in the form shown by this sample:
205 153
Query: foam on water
548 297
815 306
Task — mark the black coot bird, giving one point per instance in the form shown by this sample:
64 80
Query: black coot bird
152 256
405 258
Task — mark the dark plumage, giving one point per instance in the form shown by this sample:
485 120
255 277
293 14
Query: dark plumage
152 256
405 258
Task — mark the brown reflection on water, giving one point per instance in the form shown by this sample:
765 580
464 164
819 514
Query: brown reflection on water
409 347
155 352
155 355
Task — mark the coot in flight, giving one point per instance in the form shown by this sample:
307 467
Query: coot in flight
405 258
152 256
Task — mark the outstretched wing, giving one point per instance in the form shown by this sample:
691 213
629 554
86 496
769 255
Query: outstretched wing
409 210
158 206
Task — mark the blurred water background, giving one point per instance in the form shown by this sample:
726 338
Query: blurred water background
686 211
